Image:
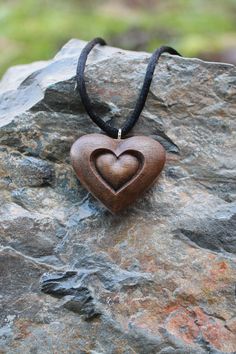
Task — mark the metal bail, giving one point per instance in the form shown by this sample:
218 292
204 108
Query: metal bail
119 134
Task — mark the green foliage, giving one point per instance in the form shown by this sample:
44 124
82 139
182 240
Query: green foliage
35 29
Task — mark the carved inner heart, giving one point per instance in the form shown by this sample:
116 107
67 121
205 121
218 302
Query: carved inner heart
117 171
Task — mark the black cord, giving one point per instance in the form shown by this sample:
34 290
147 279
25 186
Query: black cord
132 119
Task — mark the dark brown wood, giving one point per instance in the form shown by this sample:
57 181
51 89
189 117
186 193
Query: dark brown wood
116 171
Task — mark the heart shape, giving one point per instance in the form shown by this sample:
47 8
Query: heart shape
117 171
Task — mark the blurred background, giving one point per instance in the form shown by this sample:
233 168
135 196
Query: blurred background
35 29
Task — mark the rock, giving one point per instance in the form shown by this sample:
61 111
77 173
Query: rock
159 277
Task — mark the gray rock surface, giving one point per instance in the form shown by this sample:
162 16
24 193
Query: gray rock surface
158 278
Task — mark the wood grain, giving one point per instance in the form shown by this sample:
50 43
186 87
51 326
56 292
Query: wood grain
116 171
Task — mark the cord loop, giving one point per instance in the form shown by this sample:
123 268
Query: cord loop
132 119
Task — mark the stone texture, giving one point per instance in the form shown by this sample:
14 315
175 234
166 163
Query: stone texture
158 278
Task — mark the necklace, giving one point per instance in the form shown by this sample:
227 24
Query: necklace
116 170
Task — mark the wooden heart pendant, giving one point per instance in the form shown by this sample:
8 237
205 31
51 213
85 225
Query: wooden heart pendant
117 171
